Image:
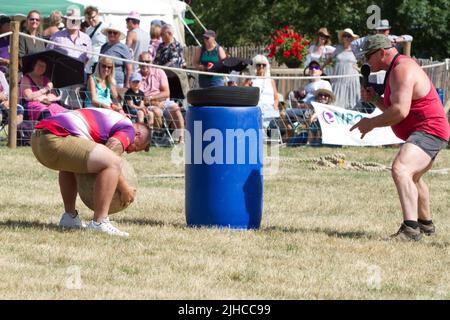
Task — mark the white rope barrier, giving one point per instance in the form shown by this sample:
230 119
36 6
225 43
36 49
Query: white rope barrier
5 34
202 72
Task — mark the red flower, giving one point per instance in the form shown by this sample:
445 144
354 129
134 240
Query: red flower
287 46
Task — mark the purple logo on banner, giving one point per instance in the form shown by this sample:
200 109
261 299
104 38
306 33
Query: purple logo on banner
328 117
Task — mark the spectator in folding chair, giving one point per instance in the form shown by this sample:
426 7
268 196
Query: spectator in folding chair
300 111
102 87
268 98
324 96
36 93
156 90
133 104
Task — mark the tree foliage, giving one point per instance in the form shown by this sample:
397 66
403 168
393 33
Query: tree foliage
242 22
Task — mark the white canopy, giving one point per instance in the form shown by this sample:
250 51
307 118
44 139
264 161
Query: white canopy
116 11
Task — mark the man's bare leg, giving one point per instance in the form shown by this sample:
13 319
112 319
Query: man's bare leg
423 205
68 188
108 166
410 161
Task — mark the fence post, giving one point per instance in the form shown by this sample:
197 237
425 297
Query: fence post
407 49
14 84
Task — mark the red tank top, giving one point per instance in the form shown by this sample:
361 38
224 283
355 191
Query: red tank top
426 114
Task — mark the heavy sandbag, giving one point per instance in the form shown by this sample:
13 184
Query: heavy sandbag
86 182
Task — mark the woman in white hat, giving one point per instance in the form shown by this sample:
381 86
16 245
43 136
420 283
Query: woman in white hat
113 47
347 90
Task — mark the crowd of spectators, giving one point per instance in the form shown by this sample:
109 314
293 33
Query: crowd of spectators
142 92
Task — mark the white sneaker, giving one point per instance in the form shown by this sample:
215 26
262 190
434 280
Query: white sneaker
107 227
68 221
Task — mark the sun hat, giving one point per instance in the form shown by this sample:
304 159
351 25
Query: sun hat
134 15
324 31
73 13
349 31
325 91
382 25
114 28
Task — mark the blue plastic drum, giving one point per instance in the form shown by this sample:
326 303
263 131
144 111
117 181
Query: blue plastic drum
224 154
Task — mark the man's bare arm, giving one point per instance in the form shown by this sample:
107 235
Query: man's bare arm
115 145
402 84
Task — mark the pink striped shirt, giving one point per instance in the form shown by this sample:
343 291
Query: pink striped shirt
94 124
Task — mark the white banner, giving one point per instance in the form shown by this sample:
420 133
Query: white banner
336 122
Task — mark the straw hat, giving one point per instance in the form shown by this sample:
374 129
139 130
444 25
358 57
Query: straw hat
112 27
349 31
324 31
325 91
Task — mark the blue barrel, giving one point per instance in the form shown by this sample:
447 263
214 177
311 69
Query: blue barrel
223 168
440 93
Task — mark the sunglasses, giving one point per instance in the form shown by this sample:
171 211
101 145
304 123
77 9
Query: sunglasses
34 19
104 66
323 36
206 38
323 95
261 65
347 35
113 32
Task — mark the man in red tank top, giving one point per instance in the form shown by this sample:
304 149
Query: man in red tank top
411 106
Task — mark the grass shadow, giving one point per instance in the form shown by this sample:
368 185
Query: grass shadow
21 224
329 232
150 222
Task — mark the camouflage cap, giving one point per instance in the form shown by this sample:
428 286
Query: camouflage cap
376 42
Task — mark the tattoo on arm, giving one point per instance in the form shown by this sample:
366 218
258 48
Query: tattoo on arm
115 145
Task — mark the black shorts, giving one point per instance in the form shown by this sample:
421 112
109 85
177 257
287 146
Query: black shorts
427 142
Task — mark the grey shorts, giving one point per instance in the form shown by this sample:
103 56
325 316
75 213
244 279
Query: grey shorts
427 142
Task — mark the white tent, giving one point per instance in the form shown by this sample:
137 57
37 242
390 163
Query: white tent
116 11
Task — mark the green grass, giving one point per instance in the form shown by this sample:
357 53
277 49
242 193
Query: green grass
322 237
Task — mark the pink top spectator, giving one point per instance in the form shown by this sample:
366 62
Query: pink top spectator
151 84
35 108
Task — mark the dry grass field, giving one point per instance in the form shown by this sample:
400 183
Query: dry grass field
322 237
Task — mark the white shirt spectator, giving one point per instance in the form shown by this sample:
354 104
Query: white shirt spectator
312 56
313 86
98 39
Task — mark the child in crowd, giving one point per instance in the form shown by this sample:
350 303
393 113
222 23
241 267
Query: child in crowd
134 101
